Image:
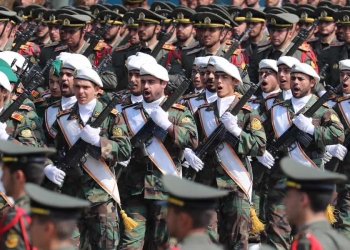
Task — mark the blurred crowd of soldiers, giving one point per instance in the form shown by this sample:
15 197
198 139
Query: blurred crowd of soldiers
105 102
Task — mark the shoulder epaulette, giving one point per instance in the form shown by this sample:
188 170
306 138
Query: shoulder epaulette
191 95
272 95
263 48
63 112
342 98
30 43
264 43
114 111
169 46
178 106
51 44
100 45
25 107
205 105
63 47
17 116
55 104
326 105
247 107
193 46
228 42
305 47
39 100
132 105
35 93
46 92
336 43
122 47
283 103
194 51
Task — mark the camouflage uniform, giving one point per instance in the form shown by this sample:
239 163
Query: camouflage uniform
234 210
101 220
143 186
13 237
328 131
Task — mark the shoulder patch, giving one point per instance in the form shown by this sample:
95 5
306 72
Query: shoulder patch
63 112
35 93
17 116
61 48
25 107
178 106
169 46
194 51
283 103
114 111
39 100
51 44
122 47
247 107
337 43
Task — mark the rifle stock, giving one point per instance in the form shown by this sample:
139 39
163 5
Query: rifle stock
235 45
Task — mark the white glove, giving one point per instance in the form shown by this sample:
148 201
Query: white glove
326 157
230 123
160 117
54 174
267 159
125 163
337 150
304 124
91 135
193 160
3 133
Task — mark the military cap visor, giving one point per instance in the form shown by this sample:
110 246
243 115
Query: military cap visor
211 20
281 20
95 9
73 21
28 10
325 13
306 14
129 20
119 9
9 16
235 13
307 178
48 203
224 14
15 153
146 16
343 18
115 18
155 6
182 15
38 14
253 15
190 195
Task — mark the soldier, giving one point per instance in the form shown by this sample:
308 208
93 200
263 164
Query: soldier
255 19
134 93
234 12
112 35
143 186
97 182
226 167
307 15
53 94
189 214
341 106
8 19
280 27
285 65
326 30
308 192
53 25
42 36
21 165
324 128
53 217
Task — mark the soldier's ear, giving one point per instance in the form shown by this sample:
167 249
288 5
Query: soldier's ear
157 29
312 82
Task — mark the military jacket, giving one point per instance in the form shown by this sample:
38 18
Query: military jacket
115 147
143 176
13 238
250 47
328 128
251 142
42 103
319 235
321 49
198 241
262 106
193 101
25 126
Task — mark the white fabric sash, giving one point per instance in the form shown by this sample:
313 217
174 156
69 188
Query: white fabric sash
156 150
281 122
269 102
194 104
97 169
230 162
50 117
345 110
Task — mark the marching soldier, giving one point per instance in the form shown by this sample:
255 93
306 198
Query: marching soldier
307 15
281 32
340 152
95 181
143 186
189 214
42 36
21 165
324 128
53 217
226 167
112 35
308 192
8 19
255 19
53 25
235 11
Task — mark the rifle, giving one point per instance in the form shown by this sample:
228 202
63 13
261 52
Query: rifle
236 44
293 133
163 37
299 39
35 80
23 38
20 73
80 148
96 37
220 134
150 129
88 35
